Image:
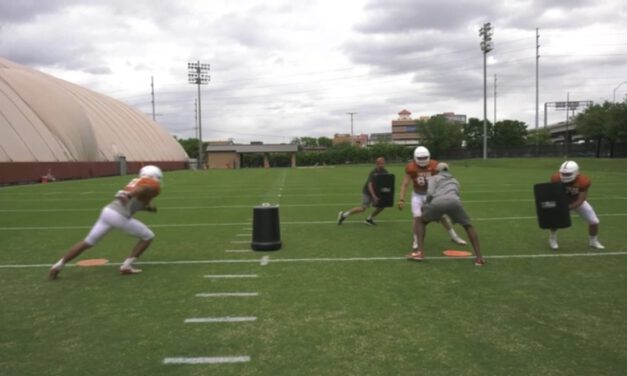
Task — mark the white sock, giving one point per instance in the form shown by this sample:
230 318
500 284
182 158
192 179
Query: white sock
345 214
127 263
593 238
59 265
453 233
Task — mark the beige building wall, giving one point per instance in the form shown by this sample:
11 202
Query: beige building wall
223 160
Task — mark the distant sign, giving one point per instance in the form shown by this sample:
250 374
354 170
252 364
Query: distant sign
572 105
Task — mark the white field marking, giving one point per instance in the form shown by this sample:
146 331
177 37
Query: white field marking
282 223
240 235
330 259
237 250
207 360
202 320
226 294
231 276
265 260
328 204
247 229
240 241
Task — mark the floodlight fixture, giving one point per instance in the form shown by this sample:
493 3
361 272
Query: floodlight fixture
197 75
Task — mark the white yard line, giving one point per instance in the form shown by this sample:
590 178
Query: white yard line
237 250
202 320
231 276
207 360
226 294
335 259
63 228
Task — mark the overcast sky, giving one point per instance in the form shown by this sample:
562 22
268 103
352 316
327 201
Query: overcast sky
292 68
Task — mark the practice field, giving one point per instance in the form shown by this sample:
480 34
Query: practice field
335 300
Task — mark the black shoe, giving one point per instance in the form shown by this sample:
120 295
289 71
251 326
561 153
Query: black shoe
340 218
370 221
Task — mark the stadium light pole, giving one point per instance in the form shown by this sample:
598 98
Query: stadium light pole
486 46
197 74
351 115
616 88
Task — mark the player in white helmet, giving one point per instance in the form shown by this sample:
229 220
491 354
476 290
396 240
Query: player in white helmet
418 171
576 186
135 196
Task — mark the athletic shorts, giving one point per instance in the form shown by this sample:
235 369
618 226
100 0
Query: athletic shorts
417 202
586 212
110 219
366 200
453 208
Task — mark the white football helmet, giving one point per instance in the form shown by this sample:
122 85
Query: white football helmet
422 156
569 171
152 172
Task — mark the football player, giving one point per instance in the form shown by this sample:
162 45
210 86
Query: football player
443 198
135 196
369 196
576 186
418 171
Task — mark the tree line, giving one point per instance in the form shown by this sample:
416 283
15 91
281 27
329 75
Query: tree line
604 124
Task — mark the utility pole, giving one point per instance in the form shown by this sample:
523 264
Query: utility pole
351 115
494 100
537 85
197 74
566 138
196 128
616 88
152 92
486 46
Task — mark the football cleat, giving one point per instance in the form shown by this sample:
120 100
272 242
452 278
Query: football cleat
340 218
370 221
553 242
596 244
458 240
53 274
416 256
480 261
129 270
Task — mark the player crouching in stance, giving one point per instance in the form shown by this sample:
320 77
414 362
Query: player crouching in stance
417 172
443 199
136 196
577 186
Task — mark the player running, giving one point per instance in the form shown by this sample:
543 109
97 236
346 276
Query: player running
577 186
418 171
136 196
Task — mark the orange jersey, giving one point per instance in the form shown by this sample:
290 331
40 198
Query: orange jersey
127 205
143 182
581 184
420 174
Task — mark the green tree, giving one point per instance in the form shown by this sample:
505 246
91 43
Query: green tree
541 137
593 123
190 145
325 142
509 133
473 133
438 134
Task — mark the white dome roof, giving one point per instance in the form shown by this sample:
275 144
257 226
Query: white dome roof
46 119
